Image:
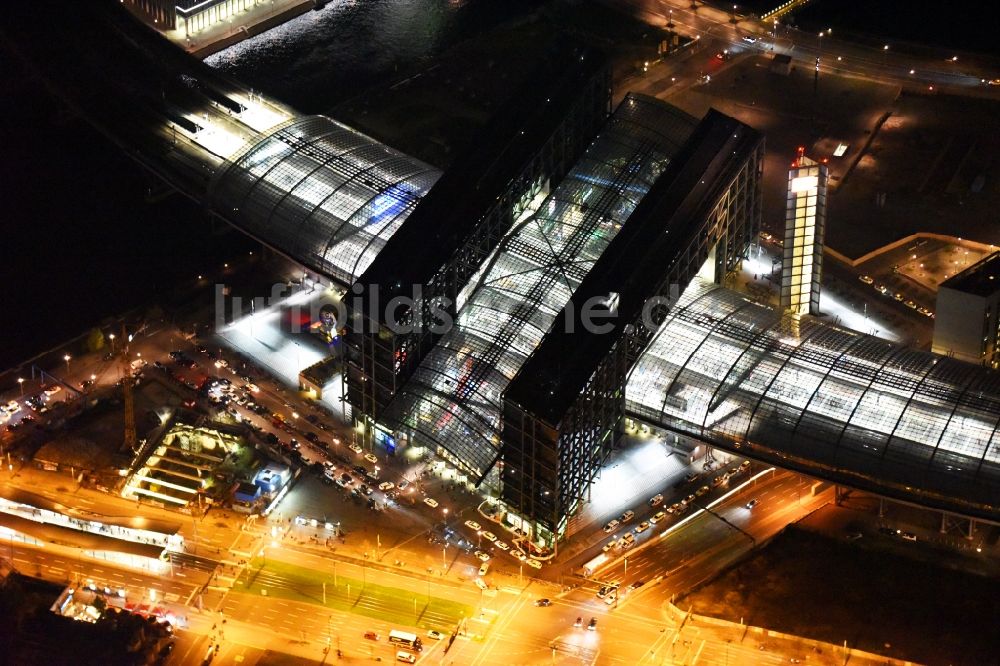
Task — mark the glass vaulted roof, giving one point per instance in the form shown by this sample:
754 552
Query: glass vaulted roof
874 413
321 193
454 397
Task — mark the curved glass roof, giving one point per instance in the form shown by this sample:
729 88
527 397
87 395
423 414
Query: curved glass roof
869 412
455 396
321 193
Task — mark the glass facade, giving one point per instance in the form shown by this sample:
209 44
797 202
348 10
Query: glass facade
811 396
321 193
454 398
805 221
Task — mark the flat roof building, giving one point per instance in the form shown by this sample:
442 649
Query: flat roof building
967 317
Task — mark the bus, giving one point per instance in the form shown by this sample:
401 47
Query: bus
406 639
590 567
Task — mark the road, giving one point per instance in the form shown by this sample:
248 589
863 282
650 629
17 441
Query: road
630 631
841 57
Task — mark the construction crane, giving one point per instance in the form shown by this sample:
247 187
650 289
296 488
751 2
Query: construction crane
129 443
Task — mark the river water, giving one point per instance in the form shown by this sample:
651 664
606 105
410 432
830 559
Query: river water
324 57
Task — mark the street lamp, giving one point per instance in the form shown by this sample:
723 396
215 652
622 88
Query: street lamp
20 382
112 337
67 357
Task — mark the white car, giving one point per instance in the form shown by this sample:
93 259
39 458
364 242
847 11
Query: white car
370 457
435 635
610 527
534 564
386 485
432 503
12 407
52 390
642 527
355 448
609 545
660 515
502 545
489 536
518 555
473 525
482 556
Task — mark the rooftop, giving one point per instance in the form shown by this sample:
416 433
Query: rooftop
441 222
634 266
979 279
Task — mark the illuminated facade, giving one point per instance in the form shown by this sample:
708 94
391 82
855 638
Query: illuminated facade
805 223
967 320
192 16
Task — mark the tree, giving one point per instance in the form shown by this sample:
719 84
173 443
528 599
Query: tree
95 340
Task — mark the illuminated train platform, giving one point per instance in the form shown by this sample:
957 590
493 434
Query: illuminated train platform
825 400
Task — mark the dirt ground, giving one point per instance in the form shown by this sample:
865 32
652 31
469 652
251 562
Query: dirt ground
815 586
926 159
791 111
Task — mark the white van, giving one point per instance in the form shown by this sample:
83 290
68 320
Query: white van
406 657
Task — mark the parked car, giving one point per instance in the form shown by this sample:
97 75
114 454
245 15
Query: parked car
430 502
